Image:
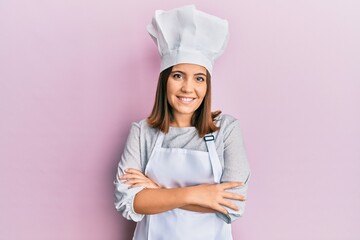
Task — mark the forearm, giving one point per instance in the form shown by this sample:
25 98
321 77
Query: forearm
200 198
153 201
196 208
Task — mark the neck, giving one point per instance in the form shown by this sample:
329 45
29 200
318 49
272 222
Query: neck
181 121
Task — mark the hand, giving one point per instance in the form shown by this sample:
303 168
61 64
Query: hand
136 178
214 196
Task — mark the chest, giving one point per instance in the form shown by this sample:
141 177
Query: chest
174 167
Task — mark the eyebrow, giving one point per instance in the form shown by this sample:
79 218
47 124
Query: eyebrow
196 74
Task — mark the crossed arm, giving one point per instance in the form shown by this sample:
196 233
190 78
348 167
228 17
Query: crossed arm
201 198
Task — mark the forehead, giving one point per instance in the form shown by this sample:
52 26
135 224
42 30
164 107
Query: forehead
189 68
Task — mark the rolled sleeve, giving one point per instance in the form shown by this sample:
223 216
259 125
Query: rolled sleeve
124 197
236 169
232 214
124 201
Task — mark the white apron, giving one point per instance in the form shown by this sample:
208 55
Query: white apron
176 167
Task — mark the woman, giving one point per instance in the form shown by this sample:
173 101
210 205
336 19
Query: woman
184 172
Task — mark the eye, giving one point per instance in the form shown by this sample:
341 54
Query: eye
177 76
200 79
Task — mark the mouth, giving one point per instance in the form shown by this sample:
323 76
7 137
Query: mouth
186 99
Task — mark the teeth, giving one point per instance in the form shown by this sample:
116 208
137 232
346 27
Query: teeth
186 99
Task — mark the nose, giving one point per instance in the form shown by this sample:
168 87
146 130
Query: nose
187 85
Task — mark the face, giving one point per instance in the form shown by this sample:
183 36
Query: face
186 89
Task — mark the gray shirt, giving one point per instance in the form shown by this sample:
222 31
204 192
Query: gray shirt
140 143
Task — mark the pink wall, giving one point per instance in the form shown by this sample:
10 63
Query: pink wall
75 74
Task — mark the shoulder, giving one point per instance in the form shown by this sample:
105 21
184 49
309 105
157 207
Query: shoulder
226 120
140 124
228 124
142 128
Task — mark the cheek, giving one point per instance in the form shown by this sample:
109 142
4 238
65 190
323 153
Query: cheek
168 90
169 93
202 92
171 88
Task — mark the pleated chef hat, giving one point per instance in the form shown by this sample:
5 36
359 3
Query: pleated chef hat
186 35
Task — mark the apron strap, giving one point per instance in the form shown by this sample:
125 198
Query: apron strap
159 140
158 143
214 158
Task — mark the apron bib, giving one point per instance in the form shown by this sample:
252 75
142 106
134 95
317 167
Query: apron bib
176 167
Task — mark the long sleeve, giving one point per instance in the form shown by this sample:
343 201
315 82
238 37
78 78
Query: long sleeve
236 168
139 145
124 197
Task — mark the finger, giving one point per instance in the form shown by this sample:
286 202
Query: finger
146 185
229 205
220 209
134 171
135 181
233 196
133 176
229 185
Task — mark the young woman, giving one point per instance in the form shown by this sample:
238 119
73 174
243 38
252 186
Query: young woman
184 172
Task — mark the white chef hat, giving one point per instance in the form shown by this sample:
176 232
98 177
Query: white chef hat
187 35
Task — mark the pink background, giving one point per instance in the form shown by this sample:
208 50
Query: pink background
75 74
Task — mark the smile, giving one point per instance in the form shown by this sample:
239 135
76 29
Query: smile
186 99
